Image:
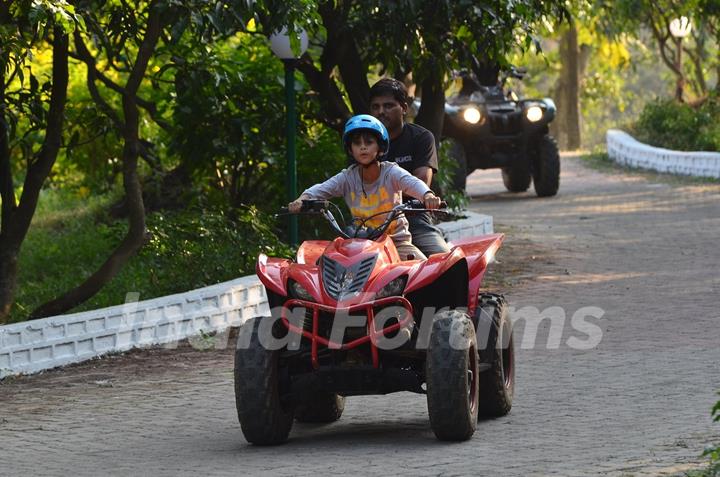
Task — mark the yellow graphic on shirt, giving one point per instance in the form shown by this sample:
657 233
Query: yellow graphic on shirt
364 206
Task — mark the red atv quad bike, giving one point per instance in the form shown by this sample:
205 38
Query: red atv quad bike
349 318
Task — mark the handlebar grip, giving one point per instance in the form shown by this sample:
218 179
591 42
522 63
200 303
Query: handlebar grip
314 205
418 204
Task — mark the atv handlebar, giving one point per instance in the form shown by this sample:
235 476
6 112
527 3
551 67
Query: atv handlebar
309 206
358 229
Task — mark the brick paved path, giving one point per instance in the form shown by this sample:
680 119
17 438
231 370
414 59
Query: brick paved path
637 404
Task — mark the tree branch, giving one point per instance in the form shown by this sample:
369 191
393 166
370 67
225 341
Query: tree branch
330 96
662 42
148 106
136 235
85 55
341 49
39 170
7 189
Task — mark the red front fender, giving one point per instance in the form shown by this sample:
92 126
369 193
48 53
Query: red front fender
273 273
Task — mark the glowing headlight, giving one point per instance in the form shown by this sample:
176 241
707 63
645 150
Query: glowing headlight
394 288
534 114
298 291
471 115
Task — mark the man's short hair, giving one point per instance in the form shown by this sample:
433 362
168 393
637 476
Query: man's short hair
390 87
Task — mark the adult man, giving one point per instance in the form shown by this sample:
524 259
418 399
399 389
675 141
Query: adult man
411 147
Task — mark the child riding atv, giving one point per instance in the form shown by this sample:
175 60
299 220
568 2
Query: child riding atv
370 186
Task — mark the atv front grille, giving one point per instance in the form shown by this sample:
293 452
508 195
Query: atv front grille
316 323
503 123
341 282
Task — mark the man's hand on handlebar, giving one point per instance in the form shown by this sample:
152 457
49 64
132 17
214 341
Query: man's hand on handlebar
431 201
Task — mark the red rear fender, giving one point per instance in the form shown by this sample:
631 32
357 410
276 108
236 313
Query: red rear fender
479 251
432 268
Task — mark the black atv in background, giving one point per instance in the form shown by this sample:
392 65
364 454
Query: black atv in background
490 127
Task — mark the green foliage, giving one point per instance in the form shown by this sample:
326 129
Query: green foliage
188 249
212 99
230 125
678 126
456 200
446 35
711 452
195 248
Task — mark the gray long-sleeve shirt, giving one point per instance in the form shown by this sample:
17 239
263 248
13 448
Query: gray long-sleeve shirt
383 194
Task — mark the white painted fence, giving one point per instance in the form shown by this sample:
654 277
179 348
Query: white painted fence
33 346
626 150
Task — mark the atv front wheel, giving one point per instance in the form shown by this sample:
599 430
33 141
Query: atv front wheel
516 178
546 167
320 407
451 372
264 418
497 355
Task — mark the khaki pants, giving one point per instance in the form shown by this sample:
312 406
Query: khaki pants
407 248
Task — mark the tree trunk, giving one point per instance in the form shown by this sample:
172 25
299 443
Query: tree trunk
330 97
135 237
16 220
432 108
566 127
339 49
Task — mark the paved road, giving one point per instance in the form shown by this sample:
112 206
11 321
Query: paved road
645 252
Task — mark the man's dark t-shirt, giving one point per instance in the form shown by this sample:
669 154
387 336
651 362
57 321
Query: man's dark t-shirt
415 147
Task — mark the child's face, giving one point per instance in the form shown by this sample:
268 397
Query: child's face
364 148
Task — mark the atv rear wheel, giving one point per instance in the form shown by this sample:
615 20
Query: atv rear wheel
320 407
451 372
264 418
517 177
497 354
546 167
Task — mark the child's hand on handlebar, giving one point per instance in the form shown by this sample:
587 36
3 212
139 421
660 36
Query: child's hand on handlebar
431 201
295 206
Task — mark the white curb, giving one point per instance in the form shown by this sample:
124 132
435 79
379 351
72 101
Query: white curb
33 346
626 150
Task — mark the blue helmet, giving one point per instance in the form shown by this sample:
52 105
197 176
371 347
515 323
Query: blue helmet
370 124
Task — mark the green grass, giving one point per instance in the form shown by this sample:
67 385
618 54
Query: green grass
601 162
71 237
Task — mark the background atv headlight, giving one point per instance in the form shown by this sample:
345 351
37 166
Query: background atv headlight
534 114
298 291
394 288
472 115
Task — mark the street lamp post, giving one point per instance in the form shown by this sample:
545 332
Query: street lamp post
679 29
280 45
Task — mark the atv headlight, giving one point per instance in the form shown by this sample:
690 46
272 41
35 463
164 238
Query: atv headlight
394 288
472 115
534 114
299 292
